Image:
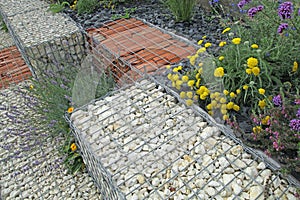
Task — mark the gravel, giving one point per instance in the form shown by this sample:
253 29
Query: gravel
155 148
5 39
30 165
156 13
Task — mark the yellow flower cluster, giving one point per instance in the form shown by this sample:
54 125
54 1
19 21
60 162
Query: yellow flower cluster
73 7
219 72
265 120
252 64
295 67
222 44
256 129
236 41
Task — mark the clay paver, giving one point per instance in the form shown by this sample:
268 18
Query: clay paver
144 47
12 67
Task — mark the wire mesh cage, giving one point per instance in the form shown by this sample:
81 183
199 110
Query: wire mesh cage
140 143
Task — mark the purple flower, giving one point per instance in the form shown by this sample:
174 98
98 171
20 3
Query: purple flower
298 113
299 12
295 124
282 27
260 7
242 3
285 10
252 11
277 100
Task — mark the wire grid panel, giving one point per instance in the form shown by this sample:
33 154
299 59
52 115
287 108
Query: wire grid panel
140 142
12 67
67 50
138 47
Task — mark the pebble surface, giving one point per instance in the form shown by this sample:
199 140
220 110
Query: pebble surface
30 165
5 39
155 148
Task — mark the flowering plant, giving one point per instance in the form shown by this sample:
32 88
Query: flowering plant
278 128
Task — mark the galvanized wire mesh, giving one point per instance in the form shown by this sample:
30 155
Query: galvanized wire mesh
140 143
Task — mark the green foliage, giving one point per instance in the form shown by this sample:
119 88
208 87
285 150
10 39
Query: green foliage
58 7
87 6
128 12
3 25
181 9
51 94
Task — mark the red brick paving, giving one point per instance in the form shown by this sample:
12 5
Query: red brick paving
12 67
144 47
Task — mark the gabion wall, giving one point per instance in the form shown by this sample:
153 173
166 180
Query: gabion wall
140 143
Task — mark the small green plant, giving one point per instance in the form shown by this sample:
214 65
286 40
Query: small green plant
3 25
86 6
181 9
128 12
58 7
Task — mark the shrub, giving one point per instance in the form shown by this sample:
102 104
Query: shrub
86 6
51 95
181 9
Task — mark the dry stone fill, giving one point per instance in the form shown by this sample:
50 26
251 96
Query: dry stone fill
30 164
154 148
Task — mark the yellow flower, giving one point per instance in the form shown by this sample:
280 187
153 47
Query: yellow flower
224 106
170 76
256 129
245 87
248 71
252 62
196 97
225 117
254 46
209 106
73 147
31 87
175 77
236 40
219 72
189 95
189 102
222 100
226 92
255 71
214 103
191 83
200 65
168 66
224 111
198 76
178 84
200 70
229 105
175 69
262 103
200 42
222 44
261 91
198 83
201 50
265 120
232 95
70 110
221 58
204 37
226 30
210 113
179 67
185 78
238 91
208 44
236 107
193 60
295 67
182 95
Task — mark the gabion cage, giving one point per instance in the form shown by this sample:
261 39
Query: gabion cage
140 143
